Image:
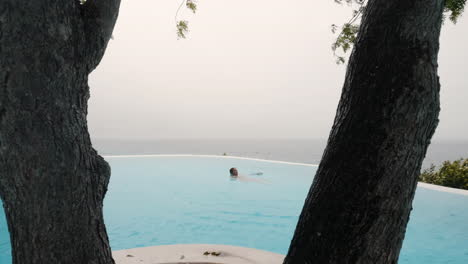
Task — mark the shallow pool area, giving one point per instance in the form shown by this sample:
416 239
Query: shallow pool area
163 200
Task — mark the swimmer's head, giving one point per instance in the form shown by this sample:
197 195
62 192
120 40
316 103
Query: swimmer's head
233 172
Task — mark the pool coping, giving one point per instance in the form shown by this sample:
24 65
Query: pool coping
208 156
442 188
420 184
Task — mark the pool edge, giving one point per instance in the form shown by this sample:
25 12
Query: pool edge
209 156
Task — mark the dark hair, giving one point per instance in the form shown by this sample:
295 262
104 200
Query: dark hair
231 170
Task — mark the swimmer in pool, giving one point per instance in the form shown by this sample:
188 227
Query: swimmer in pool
234 172
235 176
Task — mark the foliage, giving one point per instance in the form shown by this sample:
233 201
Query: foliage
182 28
182 25
348 33
191 5
451 174
454 8
345 40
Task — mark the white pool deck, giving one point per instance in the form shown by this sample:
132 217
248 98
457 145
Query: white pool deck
196 254
442 188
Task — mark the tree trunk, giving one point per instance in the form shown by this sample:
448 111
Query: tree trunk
360 200
52 182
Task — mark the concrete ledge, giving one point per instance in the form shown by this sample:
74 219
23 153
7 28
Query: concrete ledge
207 156
442 188
196 254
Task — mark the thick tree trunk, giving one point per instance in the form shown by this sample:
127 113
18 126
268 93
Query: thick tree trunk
360 201
52 182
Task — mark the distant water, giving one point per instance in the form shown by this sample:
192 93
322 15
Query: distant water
293 150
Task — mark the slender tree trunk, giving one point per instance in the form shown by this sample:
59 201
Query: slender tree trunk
52 182
360 201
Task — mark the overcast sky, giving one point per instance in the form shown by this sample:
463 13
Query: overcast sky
248 69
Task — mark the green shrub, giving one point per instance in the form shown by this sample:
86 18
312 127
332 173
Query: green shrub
451 174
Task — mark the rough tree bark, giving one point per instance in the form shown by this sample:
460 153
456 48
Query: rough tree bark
360 201
52 182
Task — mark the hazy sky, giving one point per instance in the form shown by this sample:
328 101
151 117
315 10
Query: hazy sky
248 69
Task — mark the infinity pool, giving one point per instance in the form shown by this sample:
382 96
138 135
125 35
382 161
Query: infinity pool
176 200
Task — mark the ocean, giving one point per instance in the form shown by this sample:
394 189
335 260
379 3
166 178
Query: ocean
292 150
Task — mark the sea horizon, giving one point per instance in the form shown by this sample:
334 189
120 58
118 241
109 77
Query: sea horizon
300 150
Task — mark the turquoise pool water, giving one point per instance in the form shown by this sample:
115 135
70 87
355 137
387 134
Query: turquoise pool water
173 200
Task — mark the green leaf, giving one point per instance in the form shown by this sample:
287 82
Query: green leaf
182 28
454 8
191 5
